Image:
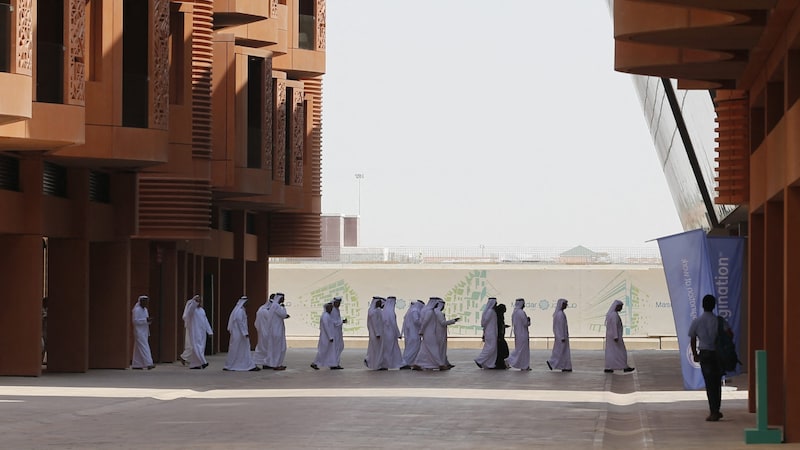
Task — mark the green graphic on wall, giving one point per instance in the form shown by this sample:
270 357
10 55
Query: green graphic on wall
633 299
466 300
350 308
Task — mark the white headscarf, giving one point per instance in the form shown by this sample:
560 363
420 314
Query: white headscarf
139 302
519 303
188 308
487 313
374 303
559 305
613 308
239 305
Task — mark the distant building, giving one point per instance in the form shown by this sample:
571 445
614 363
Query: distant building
582 255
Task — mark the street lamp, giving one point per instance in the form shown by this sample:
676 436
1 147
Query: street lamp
359 177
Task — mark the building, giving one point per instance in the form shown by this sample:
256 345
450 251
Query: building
152 147
746 55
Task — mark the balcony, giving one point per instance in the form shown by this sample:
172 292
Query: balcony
230 13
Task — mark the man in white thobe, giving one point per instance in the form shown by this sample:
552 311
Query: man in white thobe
374 358
187 340
194 317
616 353
487 357
441 332
239 356
262 324
276 351
520 358
561 357
428 357
338 325
326 345
142 358
392 357
412 322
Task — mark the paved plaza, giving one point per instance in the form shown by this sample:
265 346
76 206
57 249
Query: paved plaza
172 407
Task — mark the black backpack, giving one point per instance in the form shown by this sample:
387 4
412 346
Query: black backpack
726 348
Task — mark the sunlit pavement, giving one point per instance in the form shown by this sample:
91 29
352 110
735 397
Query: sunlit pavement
466 407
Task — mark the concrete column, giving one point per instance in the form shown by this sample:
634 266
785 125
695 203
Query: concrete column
164 289
791 312
755 306
110 305
68 300
21 275
773 308
211 293
233 277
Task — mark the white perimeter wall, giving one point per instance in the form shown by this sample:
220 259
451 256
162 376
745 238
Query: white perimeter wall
590 290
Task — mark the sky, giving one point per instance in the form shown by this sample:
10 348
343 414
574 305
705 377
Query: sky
496 123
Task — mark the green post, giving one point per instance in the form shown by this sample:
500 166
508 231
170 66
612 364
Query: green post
762 434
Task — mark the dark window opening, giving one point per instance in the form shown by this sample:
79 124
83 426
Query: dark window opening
94 37
307 26
255 109
250 223
99 187
176 57
135 42
9 173
50 51
225 220
54 180
5 35
287 149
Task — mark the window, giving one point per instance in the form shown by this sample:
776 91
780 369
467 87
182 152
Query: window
50 51
135 42
5 35
287 143
94 38
307 25
225 220
250 223
255 111
176 57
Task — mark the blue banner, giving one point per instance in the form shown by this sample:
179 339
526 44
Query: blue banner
726 255
687 270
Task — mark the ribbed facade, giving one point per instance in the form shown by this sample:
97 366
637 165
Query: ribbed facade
174 208
202 58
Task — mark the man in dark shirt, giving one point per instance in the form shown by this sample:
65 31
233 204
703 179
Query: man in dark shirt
704 329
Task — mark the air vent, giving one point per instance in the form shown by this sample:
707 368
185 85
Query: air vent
9 173
99 187
54 180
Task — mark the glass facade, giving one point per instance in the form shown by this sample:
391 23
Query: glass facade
697 111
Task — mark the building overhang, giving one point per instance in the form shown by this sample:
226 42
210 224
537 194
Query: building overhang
702 43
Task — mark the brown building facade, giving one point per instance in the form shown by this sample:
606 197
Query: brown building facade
153 147
747 53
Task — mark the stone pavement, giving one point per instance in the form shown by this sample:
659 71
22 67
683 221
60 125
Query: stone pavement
172 407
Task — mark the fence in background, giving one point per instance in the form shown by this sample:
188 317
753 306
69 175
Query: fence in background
483 255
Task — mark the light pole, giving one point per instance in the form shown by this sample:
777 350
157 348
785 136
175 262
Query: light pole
359 177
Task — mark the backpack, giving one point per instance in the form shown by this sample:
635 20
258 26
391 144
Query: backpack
726 348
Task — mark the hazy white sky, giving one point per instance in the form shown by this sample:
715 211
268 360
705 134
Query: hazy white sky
494 123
